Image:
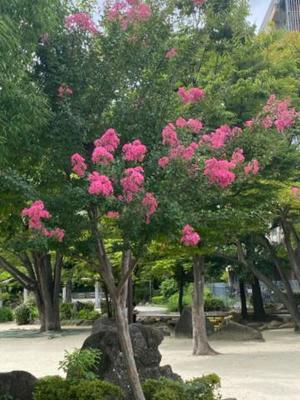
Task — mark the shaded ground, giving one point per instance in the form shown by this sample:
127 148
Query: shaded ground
249 371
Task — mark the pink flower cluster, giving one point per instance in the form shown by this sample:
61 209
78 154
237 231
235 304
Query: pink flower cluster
219 137
113 214
81 21
151 204
100 185
192 95
169 136
102 156
171 53
279 114
64 90
78 164
132 183
219 171
195 125
109 140
189 236
128 12
134 151
252 167
35 213
238 156
199 2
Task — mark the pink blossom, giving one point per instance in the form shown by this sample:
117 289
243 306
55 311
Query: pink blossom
252 167
134 151
100 185
238 156
218 138
249 123
36 212
191 95
169 136
113 214
199 2
56 233
267 122
163 162
78 164
102 156
195 125
132 182
181 122
280 113
189 151
109 140
64 89
219 171
171 53
189 236
81 21
150 203
143 12
129 12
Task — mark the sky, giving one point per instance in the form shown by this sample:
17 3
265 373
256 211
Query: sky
258 10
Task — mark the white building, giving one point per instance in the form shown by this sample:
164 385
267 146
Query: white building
284 14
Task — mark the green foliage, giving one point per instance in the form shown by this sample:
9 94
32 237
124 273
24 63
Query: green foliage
80 364
6 314
68 311
95 390
6 397
57 388
204 388
51 388
168 287
158 300
89 315
23 314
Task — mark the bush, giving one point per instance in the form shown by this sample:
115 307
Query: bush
90 315
163 389
168 287
6 314
52 388
67 311
80 364
23 315
57 388
95 390
158 300
212 303
204 388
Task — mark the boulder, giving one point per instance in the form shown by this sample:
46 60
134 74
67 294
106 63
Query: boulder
184 326
231 330
145 341
18 385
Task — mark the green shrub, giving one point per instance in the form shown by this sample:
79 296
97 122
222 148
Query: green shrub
212 303
168 287
52 388
95 390
6 314
158 300
90 315
23 315
67 311
80 364
89 306
165 388
204 388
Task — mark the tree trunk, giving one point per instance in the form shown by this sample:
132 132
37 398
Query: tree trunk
127 350
181 290
244 309
258 304
200 340
48 315
130 306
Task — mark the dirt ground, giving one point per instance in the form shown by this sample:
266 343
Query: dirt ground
267 370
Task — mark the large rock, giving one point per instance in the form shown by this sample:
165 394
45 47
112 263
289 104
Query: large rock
18 385
145 342
231 330
184 326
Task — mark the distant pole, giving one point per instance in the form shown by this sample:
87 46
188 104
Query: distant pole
1 301
64 294
25 295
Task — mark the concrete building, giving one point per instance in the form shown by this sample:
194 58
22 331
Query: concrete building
284 14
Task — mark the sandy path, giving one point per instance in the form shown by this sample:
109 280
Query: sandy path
249 371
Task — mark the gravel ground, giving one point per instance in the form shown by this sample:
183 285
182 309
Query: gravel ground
267 370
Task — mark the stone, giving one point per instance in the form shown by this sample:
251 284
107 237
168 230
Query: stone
184 326
145 341
18 385
287 325
274 324
231 330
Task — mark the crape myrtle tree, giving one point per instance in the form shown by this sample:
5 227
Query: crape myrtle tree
212 172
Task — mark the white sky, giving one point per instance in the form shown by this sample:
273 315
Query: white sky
258 11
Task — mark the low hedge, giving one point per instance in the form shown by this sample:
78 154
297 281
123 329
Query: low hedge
6 314
57 388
